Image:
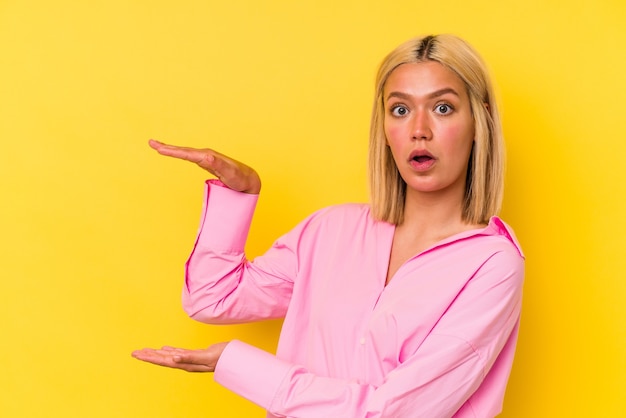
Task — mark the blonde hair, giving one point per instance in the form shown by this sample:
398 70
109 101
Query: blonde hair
484 184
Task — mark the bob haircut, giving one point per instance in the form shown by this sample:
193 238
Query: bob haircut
484 183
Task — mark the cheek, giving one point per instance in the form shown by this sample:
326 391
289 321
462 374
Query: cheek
393 133
459 137
392 138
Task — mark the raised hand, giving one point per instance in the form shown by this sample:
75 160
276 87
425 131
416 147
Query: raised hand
232 173
203 360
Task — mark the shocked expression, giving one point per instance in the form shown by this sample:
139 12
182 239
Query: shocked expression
429 127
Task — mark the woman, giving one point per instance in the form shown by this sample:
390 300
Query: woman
407 307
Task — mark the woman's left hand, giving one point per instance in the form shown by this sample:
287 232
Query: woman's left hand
203 360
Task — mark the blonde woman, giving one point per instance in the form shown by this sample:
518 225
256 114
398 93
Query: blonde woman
406 307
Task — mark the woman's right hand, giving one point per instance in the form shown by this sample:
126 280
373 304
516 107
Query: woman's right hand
232 173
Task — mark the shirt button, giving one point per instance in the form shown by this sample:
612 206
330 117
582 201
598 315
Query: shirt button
362 341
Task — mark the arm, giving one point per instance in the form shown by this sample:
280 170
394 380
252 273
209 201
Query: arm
221 285
471 341
435 381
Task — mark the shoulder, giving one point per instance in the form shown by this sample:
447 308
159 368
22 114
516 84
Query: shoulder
342 218
496 237
478 245
503 230
341 212
337 226
493 250
506 259
344 211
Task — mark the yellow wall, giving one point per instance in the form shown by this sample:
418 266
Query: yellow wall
96 227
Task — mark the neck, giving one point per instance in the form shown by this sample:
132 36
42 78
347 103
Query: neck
428 219
434 213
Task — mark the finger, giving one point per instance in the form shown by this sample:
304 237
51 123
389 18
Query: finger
211 161
193 155
172 349
232 173
178 355
168 359
150 355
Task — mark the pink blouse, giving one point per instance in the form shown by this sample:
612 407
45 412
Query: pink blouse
437 341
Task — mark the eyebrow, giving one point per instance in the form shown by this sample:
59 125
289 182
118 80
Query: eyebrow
432 95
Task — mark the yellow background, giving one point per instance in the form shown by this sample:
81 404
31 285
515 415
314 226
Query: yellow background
96 227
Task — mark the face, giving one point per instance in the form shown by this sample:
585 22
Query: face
429 127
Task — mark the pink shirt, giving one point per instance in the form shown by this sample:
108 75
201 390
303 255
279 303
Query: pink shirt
437 341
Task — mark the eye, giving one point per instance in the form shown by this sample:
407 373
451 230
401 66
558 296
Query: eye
443 109
399 110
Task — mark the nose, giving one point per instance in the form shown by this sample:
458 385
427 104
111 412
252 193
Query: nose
421 126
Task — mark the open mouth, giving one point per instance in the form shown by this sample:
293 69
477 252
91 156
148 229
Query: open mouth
422 158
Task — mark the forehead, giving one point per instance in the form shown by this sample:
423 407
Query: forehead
422 78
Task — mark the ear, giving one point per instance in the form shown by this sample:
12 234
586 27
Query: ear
486 106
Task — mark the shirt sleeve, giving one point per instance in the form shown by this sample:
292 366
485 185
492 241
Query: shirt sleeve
435 381
221 285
